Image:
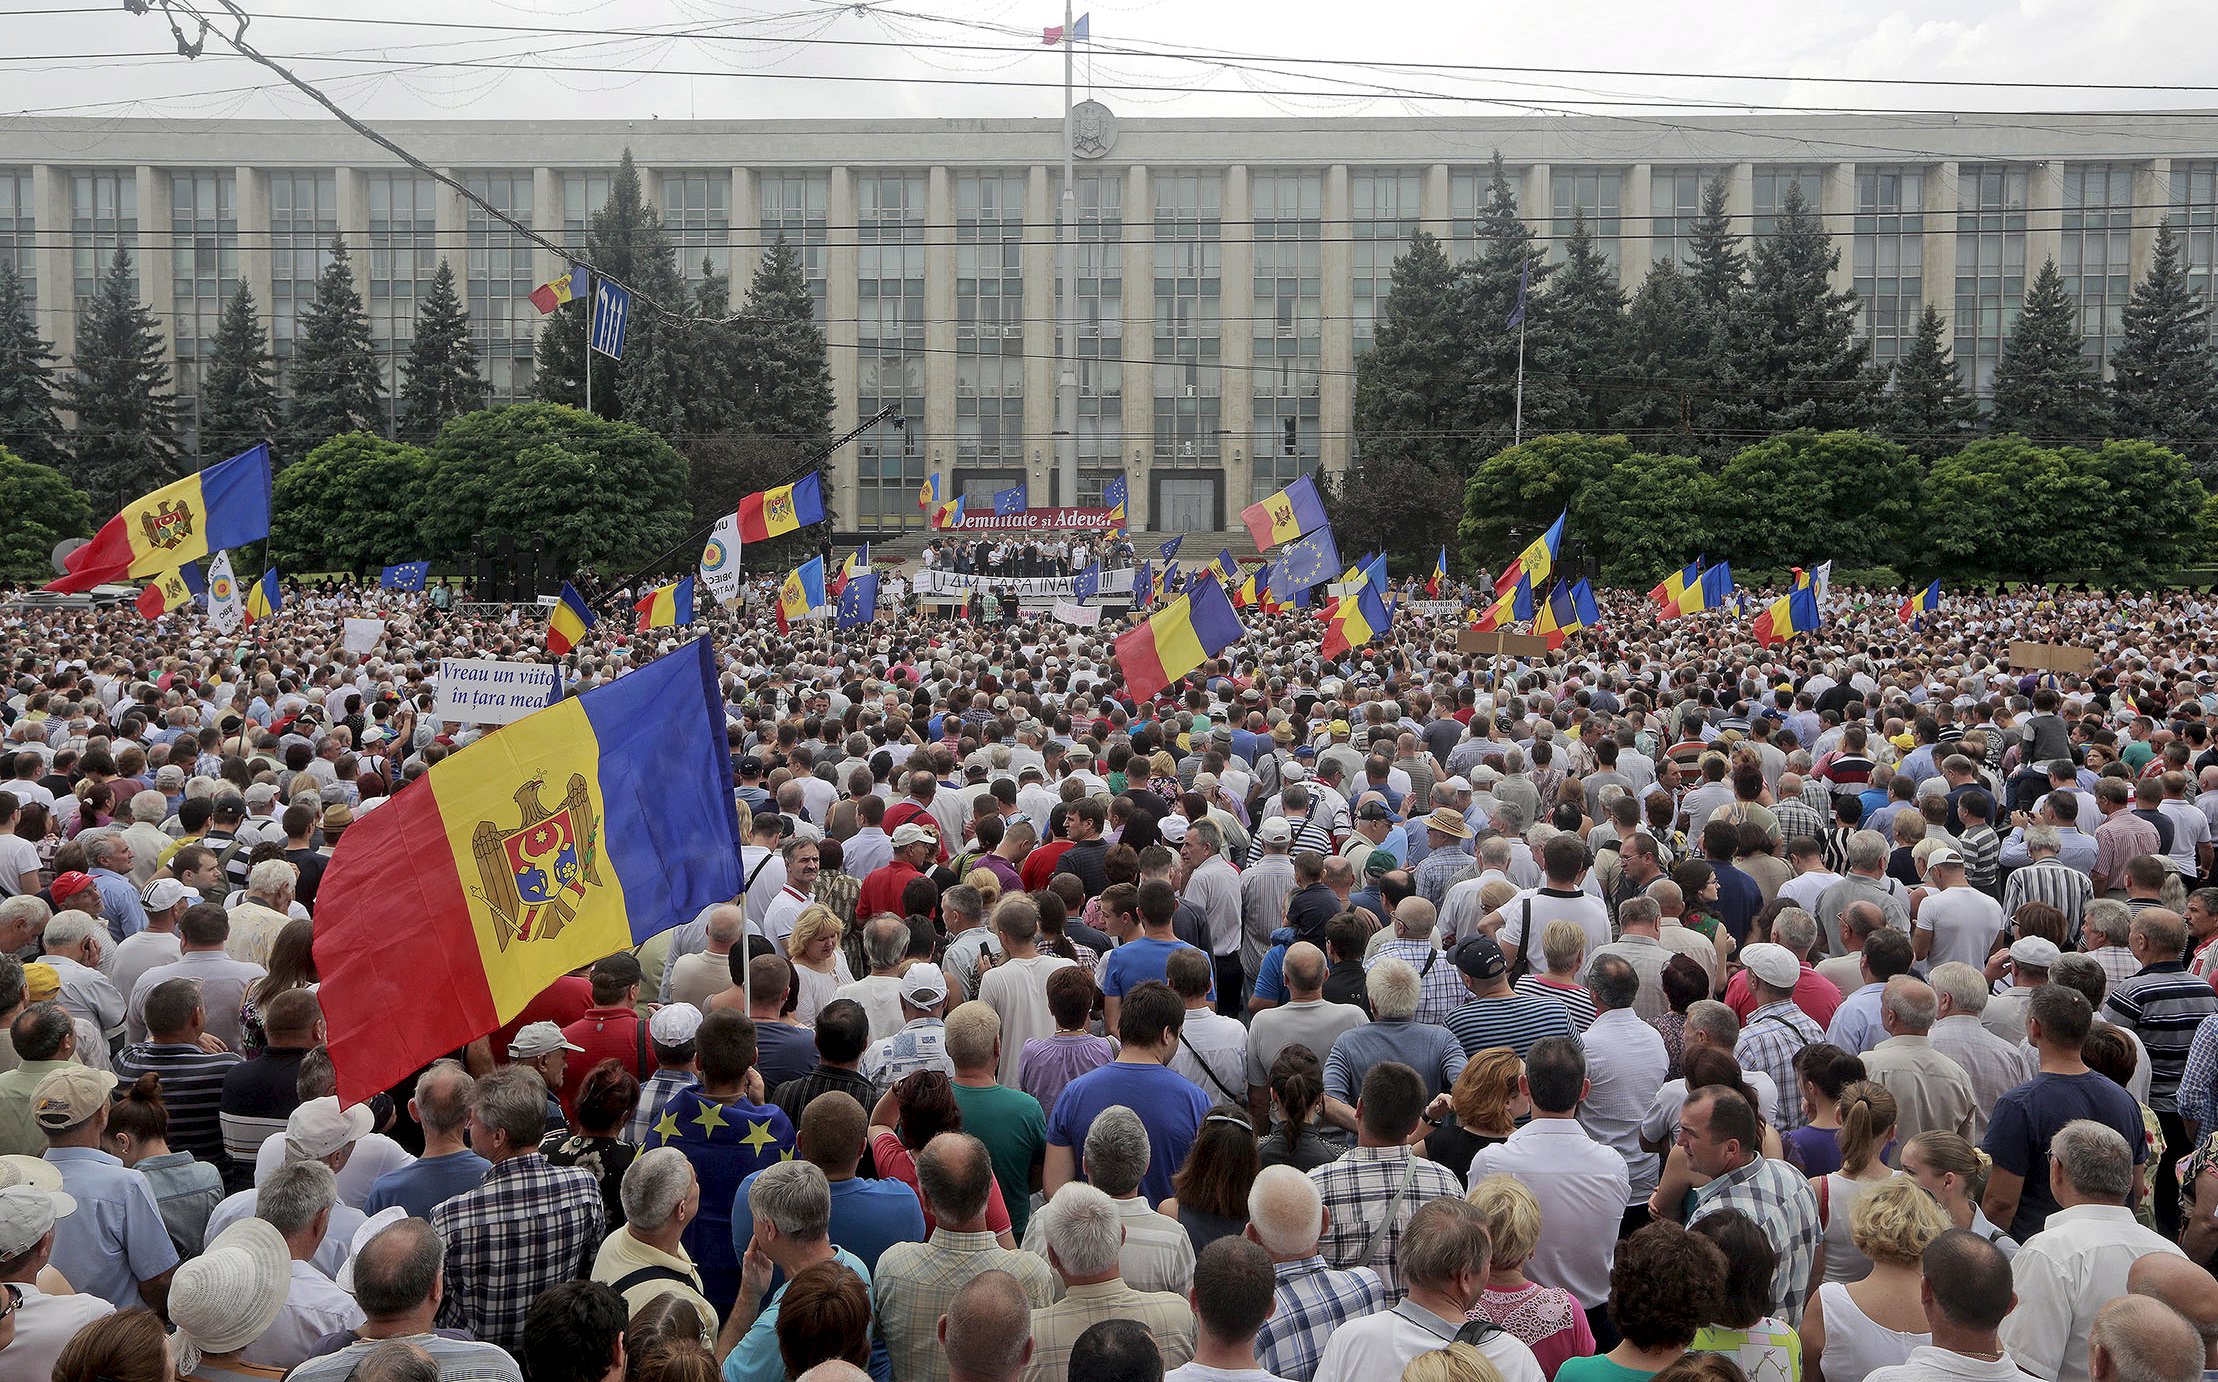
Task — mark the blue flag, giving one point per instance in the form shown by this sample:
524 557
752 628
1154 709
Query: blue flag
1307 561
1009 502
405 575
1087 584
1143 586
1524 281
858 600
1170 549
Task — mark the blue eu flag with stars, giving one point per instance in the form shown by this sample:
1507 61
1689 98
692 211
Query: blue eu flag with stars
1308 561
858 600
406 575
1087 584
1009 502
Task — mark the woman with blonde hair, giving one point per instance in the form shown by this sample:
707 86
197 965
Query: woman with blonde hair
1954 1173
988 884
1487 1104
818 966
1852 1328
1548 1319
1563 947
1455 1363
1868 1114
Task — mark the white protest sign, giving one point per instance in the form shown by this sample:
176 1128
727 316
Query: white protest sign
483 691
1080 616
362 635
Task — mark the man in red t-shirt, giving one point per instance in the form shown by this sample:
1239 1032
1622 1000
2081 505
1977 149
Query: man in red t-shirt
914 844
611 1028
917 807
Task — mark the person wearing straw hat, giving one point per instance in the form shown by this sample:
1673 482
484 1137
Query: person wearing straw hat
32 1203
226 1299
116 1247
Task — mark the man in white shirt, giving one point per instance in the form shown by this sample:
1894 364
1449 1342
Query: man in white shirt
44 1324
1234 1290
2078 1262
1212 1048
297 1201
1955 921
1967 1295
1445 1253
1583 1186
1811 877
1625 1066
2134 1337
1560 898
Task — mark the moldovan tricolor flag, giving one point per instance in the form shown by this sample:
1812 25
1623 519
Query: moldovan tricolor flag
568 620
226 505
171 591
666 607
263 598
778 511
1286 515
1537 560
577 831
1178 638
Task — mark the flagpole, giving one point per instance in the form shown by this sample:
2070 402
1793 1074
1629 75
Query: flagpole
1518 436
589 356
1066 345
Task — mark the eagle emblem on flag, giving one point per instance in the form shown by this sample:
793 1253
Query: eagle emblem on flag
168 525
778 507
1282 511
534 878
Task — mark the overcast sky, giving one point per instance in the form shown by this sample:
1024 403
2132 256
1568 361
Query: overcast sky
1298 58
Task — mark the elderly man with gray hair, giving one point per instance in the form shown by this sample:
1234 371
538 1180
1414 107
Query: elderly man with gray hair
916 1285
646 1258
1084 1231
1867 881
986 1333
792 1205
1286 1217
2136 1339
2080 1260
297 1200
1932 1092
263 912
1158 1255
399 1280
1994 1066
109 859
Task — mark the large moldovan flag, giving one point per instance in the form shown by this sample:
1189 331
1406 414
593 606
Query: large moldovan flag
226 505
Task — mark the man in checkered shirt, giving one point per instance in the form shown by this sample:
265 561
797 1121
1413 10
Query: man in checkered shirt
1442 990
1776 1030
1312 1299
1723 1140
530 1226
1382 1182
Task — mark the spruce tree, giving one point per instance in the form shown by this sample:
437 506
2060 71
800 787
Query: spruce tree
1586 319
2045 386
124 440
1666 337
1799 358
781 375
1706 378
336 383
1510 260
238 395
1925 408
28 424
625 240
2164 375
1718 264
440 381
1411 452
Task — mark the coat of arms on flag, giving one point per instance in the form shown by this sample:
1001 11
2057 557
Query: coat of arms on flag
535 876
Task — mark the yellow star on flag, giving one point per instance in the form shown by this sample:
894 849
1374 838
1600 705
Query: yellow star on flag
786 1155
667 1125
758 1135
711 1117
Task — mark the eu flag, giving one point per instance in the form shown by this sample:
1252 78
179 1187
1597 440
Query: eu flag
1309 561
858 600
1009 502
1087 583
1170 549
406 575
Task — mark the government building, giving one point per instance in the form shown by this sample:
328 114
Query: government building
1229 271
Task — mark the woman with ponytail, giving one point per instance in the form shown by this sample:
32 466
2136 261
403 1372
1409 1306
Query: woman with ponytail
186 1190
1867 1128
1954 1173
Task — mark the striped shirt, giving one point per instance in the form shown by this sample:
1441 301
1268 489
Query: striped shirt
1512 1019
2163 1005
2054 882
1982 851
192 1091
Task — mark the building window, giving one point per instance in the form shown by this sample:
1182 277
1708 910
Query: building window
1466 200
1384 214
1100 244
889 284
104 216
583 194
1990 267
19 228
697 212
2097 262
1592 193
989 320
503 324
1675 197
404 258
793 208
1889 257
304 219
204 273
1771 189
2194 219
1189 327
1288 326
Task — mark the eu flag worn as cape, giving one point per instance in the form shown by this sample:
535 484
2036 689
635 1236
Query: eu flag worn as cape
226 505
577 831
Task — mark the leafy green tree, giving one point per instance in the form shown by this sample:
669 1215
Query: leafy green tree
1517 492
1586 320
2148 524
601 493
334 376
1666 339
355 503
441 379
2164 374
238 395
2013 509
2045 386
43 509
124 439
626 241
1650 514
28 423
1795 349
1809 496
1925 408
1406 481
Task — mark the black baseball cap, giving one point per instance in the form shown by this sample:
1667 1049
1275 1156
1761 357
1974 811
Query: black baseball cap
1481 958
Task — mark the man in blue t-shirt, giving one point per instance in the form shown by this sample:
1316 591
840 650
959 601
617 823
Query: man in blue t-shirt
868 1216
1142 959
448 1167
2018 1196
1170 1106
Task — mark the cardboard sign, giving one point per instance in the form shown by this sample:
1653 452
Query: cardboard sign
2052 657
487 692
361 635
1499 643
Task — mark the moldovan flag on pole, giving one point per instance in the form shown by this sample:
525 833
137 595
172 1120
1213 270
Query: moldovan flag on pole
1512 606
263 598
778 511
1361 618
567 623
226 505
928 493
567 286
1564 614
1439 575
171 591
1925 601
802 593
1178 638
666 607
1286 515
577 831
1537 560
1710 591
1790 614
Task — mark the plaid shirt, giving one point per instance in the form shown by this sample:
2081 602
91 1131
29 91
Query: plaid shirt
1770 1039
530 1226
1797 819
1441 870
916 1283
1357 1189
652 1096
2198 1084
1313 1300
1781 1202
1442 991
